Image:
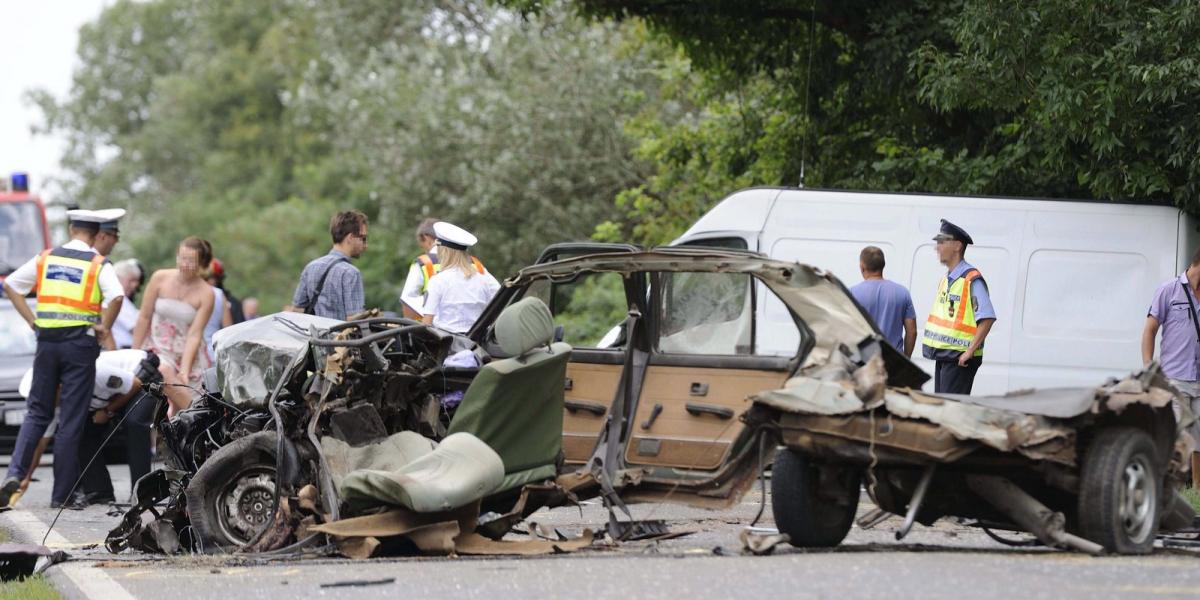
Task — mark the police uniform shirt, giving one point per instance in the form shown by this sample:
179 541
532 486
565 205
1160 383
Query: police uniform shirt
411 293
23 279
115 372
982 302
456 301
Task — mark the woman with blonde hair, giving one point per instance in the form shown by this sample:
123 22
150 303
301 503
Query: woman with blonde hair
460 291
177 305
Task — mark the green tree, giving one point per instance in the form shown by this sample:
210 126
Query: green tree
250 122
1054 98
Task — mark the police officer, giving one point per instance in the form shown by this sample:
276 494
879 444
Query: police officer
961 317
424 267
79 297
462 288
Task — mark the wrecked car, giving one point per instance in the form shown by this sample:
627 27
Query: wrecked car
602 371
1093 469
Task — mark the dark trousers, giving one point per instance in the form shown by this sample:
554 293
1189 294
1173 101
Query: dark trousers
138 414
70 362
95 478
137 434
949 378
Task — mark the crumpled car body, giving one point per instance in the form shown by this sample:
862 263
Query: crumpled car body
666 352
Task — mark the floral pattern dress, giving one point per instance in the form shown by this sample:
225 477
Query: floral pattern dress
168 337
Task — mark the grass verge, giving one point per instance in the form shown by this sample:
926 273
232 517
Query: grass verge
31 588
1192 495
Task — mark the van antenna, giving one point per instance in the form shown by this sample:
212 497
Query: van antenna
812 24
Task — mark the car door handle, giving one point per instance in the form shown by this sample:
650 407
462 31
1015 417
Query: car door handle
699 389
592 407
654 412
697 409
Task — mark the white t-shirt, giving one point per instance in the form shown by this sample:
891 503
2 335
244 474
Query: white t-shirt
456 301
115 372
122 329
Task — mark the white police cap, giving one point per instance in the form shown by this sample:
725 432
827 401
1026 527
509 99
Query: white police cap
93 218
453 236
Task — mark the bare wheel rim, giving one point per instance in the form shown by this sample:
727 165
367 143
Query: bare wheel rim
1137 500
244 505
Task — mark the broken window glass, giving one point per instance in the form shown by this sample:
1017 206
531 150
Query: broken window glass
706 313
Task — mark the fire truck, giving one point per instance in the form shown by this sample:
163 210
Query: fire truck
24 231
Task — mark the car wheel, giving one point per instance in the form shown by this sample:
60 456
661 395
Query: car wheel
231 496
812 515
1119 491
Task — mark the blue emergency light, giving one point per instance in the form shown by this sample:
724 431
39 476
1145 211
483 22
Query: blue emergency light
20 182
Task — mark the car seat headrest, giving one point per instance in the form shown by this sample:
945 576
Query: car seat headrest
523 326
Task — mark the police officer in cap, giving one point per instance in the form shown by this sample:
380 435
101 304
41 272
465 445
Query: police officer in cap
961 317
461 289
79 297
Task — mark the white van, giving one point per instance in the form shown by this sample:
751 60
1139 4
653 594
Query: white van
1071 281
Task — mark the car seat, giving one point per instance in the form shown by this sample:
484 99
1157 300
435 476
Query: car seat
515 405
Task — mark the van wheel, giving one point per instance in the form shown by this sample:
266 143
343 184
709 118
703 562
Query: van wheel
1119 491
230 497
814 511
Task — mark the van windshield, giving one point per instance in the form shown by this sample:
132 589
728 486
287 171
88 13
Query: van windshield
20 234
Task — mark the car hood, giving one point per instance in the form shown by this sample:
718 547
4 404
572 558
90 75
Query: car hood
253 355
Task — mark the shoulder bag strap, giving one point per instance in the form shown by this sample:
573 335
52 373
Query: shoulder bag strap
311 309
1187 293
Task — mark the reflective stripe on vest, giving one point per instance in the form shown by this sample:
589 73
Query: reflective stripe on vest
430 267
951 324
68 294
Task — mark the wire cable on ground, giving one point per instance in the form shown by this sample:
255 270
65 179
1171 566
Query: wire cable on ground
128 411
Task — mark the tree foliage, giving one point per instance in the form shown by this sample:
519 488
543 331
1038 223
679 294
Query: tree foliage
1055 98
250 122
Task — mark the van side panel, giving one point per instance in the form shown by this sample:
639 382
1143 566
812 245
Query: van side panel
1085 286
741 214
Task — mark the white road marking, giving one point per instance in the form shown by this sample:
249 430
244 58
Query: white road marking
91 582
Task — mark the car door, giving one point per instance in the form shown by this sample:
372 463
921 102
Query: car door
702 367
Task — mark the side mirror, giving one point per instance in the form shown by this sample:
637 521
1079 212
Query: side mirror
558 333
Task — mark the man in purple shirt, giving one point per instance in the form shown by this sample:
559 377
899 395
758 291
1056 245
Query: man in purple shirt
1174 310
888 302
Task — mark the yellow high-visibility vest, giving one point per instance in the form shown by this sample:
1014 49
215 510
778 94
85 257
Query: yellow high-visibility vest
951 324
430 267
68 293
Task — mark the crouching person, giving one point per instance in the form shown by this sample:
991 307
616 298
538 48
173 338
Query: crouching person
120 376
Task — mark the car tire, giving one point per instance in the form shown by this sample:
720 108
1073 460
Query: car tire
812 517
232 494
1119 491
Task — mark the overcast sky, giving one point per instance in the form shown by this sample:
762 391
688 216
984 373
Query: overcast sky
38 51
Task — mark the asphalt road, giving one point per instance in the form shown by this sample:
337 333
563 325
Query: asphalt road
944 561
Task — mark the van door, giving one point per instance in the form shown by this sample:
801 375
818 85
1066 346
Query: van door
702 368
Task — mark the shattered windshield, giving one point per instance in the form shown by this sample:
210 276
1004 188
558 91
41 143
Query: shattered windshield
20 234
706 313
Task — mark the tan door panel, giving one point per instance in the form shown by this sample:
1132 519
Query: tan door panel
701 437
593 387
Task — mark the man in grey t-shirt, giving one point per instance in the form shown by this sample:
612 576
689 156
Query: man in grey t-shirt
888 302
